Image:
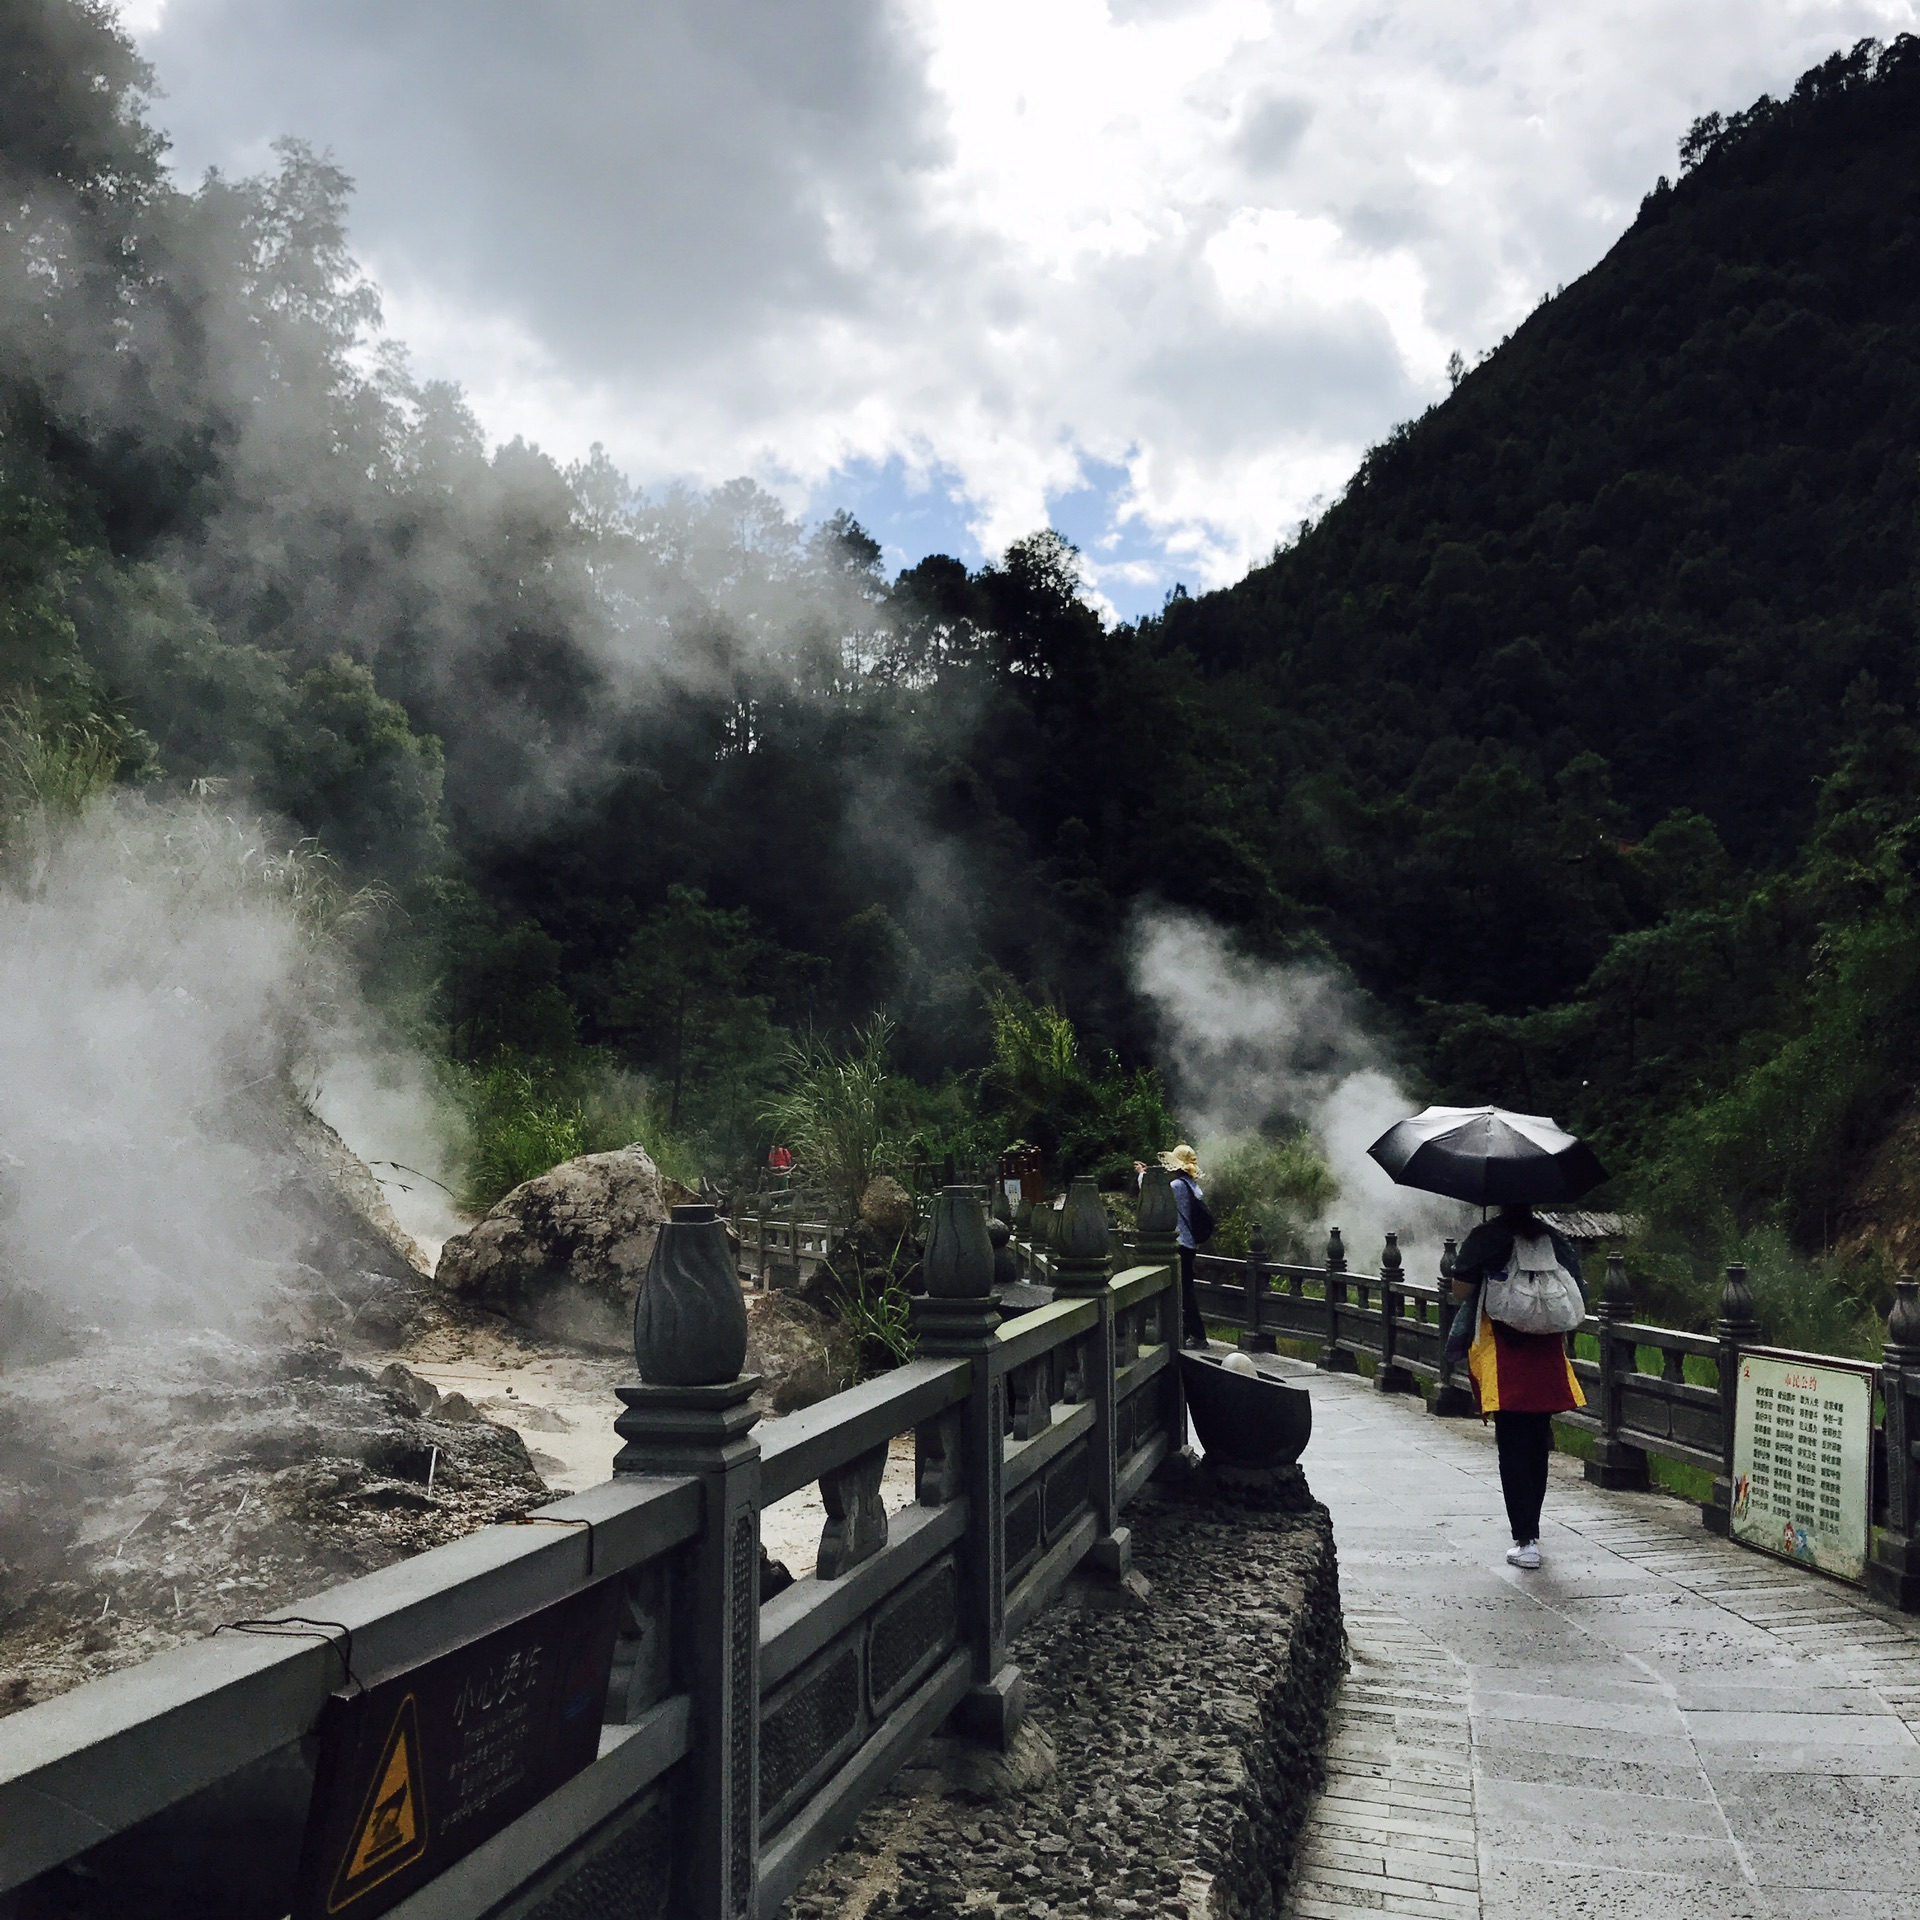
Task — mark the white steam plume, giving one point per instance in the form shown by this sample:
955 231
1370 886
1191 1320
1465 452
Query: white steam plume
384 1106
1246 1041
162 987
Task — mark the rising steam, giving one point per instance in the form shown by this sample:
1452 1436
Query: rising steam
167 976
1246 1042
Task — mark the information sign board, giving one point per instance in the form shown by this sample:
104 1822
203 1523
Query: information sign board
419 1768
1803 1459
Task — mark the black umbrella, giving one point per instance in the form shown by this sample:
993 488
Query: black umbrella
1488 1156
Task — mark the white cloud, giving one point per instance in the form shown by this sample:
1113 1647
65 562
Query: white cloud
1220 245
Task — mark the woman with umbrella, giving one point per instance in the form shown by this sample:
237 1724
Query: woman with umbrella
1521 1276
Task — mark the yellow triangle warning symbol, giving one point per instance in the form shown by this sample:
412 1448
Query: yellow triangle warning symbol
391 1831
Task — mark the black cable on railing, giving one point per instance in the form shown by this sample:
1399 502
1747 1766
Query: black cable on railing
296 1626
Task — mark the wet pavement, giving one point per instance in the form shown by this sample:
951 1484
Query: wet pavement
1656 1723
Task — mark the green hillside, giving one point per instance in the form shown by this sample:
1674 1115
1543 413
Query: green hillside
1579 730
1592 693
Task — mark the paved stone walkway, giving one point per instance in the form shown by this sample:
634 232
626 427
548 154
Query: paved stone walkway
1656 1723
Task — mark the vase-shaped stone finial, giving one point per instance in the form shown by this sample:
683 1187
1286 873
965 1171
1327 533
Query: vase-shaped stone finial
1736 1302
690 1321
1081 1239
1903 1322
1615 1294
958 1262
1159 1215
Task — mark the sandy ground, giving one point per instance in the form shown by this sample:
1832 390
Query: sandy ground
790 1529
561 1402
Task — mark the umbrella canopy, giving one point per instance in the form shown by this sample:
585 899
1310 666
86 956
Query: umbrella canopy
1488 1156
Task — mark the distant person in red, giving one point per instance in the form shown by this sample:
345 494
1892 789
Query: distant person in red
780 1159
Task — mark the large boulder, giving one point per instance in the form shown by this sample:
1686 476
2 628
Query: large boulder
566 1253
801 1354
887 1207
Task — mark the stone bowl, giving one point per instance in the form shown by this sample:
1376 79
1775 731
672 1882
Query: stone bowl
1245 1420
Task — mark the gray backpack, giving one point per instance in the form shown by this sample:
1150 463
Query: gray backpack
1535 1293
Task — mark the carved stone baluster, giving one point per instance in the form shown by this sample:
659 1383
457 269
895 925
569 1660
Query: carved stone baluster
1390 1376
1614 1463
642 1654
1737 1326
1029 1392
1074 1388
1893 1566
938 1475
1333 1357
856 1526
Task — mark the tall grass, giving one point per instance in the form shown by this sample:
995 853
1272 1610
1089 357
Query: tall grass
831 1111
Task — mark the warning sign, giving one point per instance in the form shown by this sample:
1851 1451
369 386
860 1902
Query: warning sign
392 1830
424 1765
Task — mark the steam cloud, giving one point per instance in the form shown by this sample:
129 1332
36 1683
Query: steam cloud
162 990
1247 1041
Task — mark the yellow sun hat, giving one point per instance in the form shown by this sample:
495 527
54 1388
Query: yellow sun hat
1181 1159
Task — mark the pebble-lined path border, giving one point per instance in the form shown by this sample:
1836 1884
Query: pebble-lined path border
1657 1723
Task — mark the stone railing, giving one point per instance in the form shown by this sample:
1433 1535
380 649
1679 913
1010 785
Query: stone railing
784 1235
740 1736
1640 1402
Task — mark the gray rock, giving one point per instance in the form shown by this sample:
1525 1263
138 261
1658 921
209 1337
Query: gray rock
566 1253
887 1207
801 1354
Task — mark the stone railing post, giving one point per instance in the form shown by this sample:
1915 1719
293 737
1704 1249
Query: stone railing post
1333 1357
1893 1565
1257 1339
956 1318
1083 1269
1737 1327
691 1413
1023 1237
1449 1400
1157 1244
1614 1463
1390 1376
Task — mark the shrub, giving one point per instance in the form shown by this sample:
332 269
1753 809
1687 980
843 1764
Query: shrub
1280 1181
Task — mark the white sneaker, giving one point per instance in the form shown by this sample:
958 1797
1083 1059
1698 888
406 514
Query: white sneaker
1527 1556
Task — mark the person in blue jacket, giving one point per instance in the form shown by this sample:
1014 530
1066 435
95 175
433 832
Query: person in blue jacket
1184 1164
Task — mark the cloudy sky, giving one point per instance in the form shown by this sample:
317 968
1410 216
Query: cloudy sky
1156 271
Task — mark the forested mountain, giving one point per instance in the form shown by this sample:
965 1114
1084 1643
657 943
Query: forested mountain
1579 729
1593 694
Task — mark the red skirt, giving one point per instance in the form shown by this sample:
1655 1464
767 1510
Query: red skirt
1521 1372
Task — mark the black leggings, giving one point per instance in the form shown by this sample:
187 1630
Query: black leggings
1196 1328
1524 1441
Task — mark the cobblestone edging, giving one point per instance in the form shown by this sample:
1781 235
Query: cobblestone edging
1172 1749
